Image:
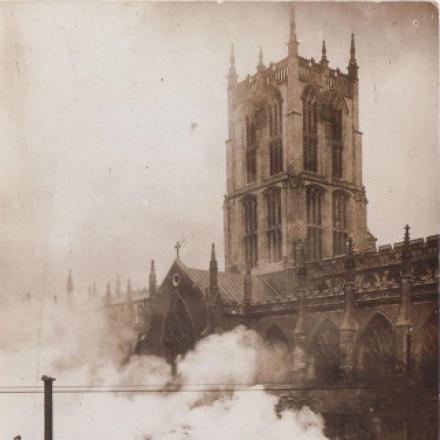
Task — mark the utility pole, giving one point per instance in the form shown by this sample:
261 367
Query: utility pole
48 409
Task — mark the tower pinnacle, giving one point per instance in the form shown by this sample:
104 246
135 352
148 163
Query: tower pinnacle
292 21
352 50
352 66
232 76
324 59
406 257
213 269
293 42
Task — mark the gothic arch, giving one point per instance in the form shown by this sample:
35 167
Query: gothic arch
368 280
276 337
324 351
140 314
376 348
392 276
311 91
178 328
273 93
427 356
422 271
332 99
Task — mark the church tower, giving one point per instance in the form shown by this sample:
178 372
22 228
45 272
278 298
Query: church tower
294 162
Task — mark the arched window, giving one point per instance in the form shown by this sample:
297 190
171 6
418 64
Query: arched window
310 131
376 349
428 351
275 336
335 115
140 315
274 234
251 150
368 281
314 222
250 223
340 234
178 331
325 352
276 140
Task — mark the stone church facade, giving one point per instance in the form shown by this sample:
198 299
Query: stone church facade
358 323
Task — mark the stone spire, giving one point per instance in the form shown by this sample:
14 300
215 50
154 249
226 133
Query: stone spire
352 66
118 286
301 276
214 317
299 333
404 318
348 326
213 269
404 321
152 281
293 42
349 284
406 256
352 50
232 75
324 59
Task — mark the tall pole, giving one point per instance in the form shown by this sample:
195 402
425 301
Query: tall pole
48 410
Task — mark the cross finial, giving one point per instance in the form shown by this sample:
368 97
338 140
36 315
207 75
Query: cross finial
177 247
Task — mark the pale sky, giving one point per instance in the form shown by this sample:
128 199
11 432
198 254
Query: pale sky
103 167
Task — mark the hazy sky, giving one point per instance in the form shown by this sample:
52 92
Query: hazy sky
113 121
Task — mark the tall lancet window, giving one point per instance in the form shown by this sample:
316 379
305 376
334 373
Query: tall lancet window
251 151
336 138
276 139
250 223
274 234
310 131
314 222
340 234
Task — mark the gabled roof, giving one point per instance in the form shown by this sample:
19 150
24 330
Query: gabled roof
231 285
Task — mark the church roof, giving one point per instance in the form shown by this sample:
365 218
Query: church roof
231 286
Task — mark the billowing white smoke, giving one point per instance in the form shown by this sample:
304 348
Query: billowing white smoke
217 397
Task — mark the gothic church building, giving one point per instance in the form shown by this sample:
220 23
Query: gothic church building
358 323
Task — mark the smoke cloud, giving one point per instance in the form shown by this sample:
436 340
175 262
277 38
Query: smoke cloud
103 392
